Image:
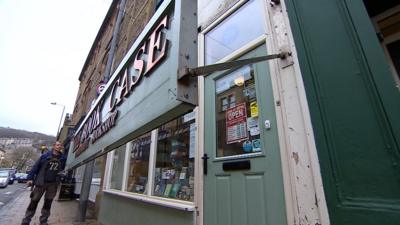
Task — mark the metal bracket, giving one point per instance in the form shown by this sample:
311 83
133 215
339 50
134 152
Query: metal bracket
205 70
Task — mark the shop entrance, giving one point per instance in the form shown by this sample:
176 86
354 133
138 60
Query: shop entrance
242 171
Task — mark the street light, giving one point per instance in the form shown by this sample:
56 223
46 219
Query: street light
59 124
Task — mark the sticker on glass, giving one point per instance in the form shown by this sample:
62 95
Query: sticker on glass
253 109
247 146
256 145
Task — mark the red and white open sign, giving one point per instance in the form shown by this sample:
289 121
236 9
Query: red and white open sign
236 126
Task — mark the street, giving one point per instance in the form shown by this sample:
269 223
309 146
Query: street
11 192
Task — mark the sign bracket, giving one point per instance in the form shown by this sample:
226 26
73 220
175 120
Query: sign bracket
206 70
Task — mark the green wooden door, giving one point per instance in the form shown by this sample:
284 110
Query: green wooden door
243 184
355 110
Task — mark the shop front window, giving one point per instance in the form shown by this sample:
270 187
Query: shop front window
118 160
139 164
237 114
174 172
168 162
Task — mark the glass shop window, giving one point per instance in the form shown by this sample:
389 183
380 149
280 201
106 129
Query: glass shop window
118 160
171 169
234 32
174 170
139 164
237 114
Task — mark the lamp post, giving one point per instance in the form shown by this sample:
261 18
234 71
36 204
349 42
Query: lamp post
59 124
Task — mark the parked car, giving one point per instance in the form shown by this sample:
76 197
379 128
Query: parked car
4 178
11 174
21 177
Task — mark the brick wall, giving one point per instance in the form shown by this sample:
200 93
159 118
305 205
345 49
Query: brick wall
137 14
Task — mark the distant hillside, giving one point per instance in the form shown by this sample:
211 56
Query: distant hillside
35 136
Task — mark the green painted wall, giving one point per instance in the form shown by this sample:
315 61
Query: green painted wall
354 107
117 210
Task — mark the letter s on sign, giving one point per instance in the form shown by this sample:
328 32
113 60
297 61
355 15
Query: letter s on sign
138 65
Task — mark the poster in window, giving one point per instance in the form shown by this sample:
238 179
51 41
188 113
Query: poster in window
254 109
236 124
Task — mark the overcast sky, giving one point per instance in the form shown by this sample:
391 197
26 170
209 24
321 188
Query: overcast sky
43 46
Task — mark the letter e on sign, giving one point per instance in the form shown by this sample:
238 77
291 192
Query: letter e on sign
155 45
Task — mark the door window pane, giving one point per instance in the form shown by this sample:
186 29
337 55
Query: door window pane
139 164
238 130
234 32
118 160
174 171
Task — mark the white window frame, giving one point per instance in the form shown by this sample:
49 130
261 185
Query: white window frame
245 48
148 197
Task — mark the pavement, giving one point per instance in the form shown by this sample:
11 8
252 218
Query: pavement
62 212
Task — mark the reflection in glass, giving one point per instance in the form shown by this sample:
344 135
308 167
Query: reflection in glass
174 172
237 122
139 164
117 168
240 28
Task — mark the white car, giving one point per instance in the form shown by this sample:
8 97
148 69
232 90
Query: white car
4 178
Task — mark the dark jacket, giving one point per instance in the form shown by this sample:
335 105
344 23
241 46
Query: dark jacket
41 168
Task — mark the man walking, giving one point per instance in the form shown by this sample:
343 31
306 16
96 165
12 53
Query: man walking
45 177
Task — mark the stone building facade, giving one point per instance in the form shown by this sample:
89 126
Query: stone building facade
135 17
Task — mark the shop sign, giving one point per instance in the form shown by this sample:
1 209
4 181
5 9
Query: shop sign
155 47
144 90
236 124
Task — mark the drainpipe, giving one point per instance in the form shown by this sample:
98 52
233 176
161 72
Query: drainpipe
111 53
87 179
85 191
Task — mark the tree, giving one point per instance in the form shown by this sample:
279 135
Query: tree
20 158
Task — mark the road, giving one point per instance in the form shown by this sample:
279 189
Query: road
11 192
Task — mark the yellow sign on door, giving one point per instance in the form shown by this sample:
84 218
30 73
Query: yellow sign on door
253 109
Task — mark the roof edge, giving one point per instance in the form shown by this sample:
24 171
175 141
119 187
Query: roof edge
113 6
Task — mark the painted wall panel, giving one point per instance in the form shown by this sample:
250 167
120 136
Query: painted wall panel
353 103
123 211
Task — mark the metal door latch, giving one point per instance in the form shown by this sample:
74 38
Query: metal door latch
205 158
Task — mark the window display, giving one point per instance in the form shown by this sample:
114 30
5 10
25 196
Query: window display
117 168
174 172
139 164
237 114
